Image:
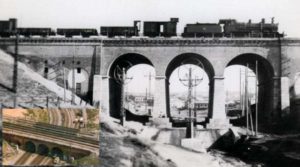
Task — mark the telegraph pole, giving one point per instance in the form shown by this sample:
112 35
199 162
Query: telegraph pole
149 91
121 78
246 97
123 113
146 102
256 98
15 79
64 73
73 77
191 115
190 85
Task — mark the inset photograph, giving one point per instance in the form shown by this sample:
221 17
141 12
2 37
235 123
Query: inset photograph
46 137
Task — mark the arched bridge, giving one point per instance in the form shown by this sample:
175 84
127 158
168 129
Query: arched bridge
277 59
46 138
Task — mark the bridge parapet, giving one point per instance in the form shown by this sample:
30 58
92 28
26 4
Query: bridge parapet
155 41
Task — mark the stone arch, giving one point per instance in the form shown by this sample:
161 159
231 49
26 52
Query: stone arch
55 151
124 61
81 78
190 58
266 76
43 149
176 62
30 147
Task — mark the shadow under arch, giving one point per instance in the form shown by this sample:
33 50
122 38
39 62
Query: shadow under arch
30 147
190 58
57 152
265 77
43 149
126 61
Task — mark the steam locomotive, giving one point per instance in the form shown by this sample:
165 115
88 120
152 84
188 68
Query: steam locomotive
224 28
232 28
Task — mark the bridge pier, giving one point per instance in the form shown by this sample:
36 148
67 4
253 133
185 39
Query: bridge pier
97 90
217 117
160 103
103 85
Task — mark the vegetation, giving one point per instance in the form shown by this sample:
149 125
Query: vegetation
90 160
39 115
92 115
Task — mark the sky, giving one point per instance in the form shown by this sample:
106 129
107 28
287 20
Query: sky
140 80
94 13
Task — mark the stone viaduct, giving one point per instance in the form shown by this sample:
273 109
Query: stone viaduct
46 145
277 59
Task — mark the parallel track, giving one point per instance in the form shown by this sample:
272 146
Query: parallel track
51 132
38 160
22 160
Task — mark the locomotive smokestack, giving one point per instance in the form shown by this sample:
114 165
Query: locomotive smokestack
250 21
263 20
272 20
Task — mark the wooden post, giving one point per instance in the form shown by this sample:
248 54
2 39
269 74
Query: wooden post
15 76
246 97
47 102
256 98
64 78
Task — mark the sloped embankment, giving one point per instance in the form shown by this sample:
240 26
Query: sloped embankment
119 148
33 89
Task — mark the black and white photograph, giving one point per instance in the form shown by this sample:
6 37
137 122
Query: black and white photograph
150 83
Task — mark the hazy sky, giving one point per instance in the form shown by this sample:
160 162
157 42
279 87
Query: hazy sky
93 13
140 81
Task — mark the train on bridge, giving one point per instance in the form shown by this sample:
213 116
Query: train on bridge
224 28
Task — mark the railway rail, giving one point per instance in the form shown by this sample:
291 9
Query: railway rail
51 132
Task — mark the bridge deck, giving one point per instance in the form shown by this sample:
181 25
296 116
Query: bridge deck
51 135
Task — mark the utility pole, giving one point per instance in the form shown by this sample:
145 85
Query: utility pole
256 98
122 103
146 101
190 85
191 115
241 100
246 97
64 79
121 78
195 98
149 91
73 77
15 76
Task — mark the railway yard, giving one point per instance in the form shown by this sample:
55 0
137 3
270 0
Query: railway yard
61 139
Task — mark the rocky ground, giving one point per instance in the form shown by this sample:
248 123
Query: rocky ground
33 88
128 146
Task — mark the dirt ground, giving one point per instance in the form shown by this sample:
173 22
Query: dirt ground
16 113
123 147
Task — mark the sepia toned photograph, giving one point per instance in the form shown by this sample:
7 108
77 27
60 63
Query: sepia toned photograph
152 83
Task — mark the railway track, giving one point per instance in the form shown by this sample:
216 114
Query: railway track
52 132
56 117
38 160
39 124
22 160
